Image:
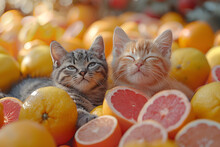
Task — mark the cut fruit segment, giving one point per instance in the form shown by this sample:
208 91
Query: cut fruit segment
125 104
198 133
171 108
103 131
214 74
11 109
148 131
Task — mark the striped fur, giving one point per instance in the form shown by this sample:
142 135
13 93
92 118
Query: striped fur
82 73
144 64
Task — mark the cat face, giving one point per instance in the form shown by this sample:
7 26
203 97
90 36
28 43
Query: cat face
141 62
80 69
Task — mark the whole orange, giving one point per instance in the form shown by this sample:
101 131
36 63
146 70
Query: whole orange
25 133
85 13
95 28
217 38
172 16
54 109
189 66
197 34
71 44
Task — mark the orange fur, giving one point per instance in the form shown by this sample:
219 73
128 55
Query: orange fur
144 65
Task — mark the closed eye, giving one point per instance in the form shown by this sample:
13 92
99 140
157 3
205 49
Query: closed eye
71 67
129 58
150 58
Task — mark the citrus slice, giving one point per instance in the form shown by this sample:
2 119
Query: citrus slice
1 115
11 109
214 75
198 133
148 131
103 131
125 104
171 108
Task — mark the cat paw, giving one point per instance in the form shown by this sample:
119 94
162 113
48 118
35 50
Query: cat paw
84 117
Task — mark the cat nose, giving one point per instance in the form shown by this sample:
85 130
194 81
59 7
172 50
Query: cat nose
82 73
139 64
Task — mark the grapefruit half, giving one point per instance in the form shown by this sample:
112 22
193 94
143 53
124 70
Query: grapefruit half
171 108
214 75
103 131
199 133
146 131
11 109
125 104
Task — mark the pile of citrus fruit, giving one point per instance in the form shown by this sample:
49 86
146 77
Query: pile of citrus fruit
127 117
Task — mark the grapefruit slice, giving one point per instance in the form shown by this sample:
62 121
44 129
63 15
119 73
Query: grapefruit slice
11 109
125 104
146 131
214 75
103 131
199 133
1 115
171 108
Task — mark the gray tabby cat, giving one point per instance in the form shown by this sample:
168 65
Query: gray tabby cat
82 73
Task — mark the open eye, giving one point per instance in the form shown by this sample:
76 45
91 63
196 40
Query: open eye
129 58
92 64
71 67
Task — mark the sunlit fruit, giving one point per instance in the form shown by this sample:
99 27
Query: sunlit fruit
9 72
53 108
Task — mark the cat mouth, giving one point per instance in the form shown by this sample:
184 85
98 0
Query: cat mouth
83 80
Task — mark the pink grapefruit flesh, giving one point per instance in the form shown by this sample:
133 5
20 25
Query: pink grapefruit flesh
216 73
128 103
169 107
148 131
102 131
201 132
125 104
11 109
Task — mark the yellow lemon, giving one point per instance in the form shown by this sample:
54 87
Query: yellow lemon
9 72
97 110
206 102
213 56
38 62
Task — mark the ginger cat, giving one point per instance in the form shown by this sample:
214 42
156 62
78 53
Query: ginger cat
144 64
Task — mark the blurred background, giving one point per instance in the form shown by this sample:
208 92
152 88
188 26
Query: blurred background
75 23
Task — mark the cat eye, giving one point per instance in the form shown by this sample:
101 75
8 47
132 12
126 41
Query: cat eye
71 67
92 64
150 57
130 58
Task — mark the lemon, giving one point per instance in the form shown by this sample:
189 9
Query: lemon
206 102
213 56
9 72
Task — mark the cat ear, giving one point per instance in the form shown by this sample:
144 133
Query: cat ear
98 47
120 38
165 41
57 52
